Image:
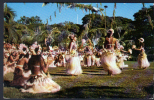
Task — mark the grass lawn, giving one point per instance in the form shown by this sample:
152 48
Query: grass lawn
94 83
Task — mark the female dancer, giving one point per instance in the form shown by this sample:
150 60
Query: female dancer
11 62
108 58
39 82
120 57
142 57
88 56
21 74
73 66
7 63
51 60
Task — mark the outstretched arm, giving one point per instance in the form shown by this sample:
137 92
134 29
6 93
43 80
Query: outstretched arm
139 49
124 51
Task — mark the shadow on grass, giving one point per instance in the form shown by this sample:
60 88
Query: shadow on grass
87 73
149 90
58 74
93 92
7 84
100 74
91 71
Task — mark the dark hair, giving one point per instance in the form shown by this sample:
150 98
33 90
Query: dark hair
24 49
75 35
21 55
27 55
109 31
141 44
60 57
36 49
71 37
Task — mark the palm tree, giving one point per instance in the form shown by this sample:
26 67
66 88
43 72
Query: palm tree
9 14
13 31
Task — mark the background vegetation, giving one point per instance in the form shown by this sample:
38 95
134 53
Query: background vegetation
27 30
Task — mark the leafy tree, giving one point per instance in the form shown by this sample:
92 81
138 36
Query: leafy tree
12 30
9 14
32 20
144 21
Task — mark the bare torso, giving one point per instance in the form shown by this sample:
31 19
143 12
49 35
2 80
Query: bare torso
22 61
110 43
36 64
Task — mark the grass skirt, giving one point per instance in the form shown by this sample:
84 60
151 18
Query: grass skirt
97 61
20 76
120 63
41 84
108 61
8 69
143 61
74 66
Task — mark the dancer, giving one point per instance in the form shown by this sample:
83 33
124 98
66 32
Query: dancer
143 62
21 73
6 63
108 58
88 56
97 59
12 60
60 60
89 53
73 66
51 60
120 57
39 82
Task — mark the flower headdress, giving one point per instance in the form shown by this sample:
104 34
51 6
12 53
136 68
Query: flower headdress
23 49
83 41
71 36
33 47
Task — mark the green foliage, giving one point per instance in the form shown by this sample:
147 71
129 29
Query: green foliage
95 21
9 14
28 40
141 22
144 21
14 31
32 20
125 29
101 41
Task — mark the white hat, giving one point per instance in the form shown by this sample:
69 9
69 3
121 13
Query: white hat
111 30
141 40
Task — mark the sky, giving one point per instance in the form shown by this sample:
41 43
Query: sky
125 10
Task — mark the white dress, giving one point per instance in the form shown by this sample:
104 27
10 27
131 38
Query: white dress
73 65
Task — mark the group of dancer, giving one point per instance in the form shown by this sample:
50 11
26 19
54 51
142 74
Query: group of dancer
30 65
